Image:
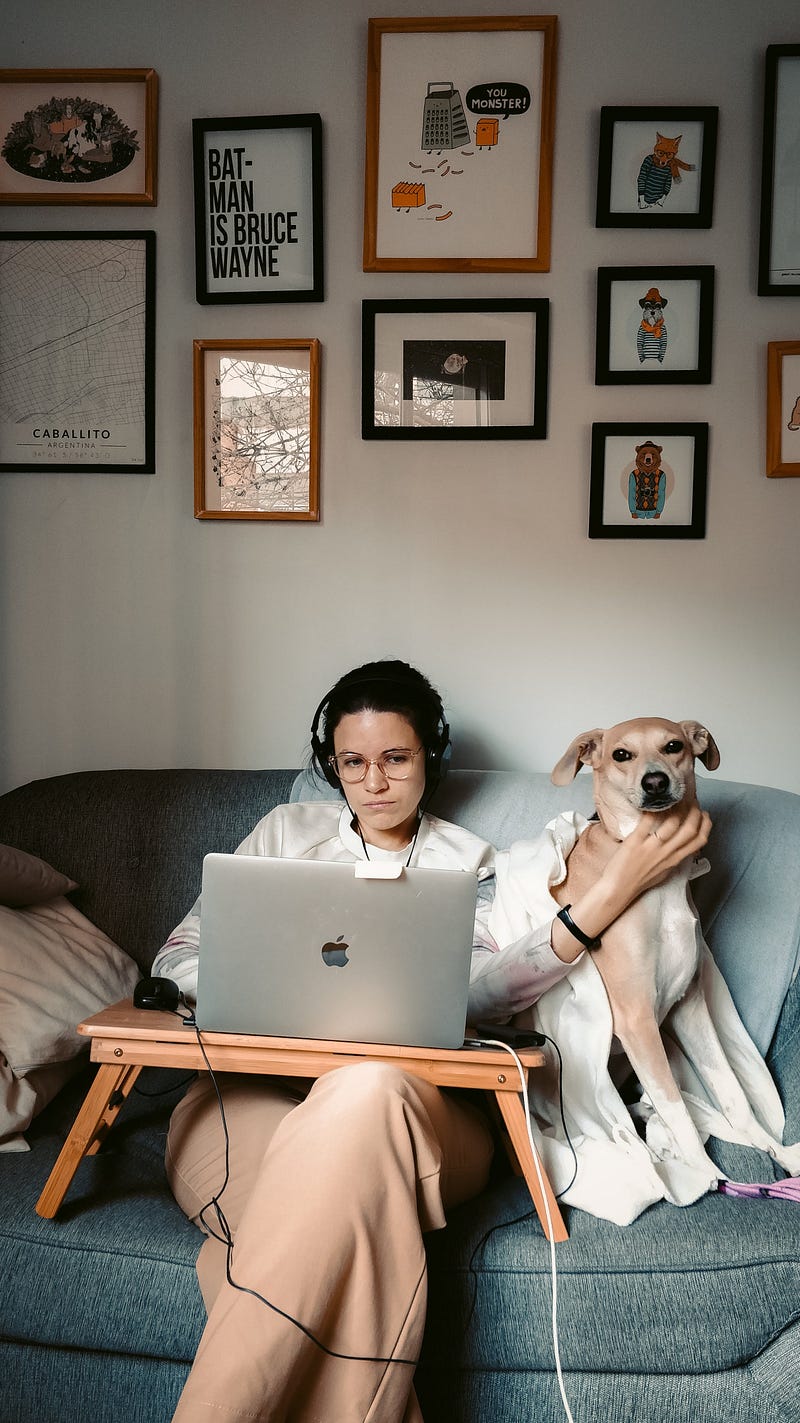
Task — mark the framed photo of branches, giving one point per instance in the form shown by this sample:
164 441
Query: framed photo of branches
256 429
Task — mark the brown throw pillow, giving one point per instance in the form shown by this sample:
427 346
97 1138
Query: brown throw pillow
27 880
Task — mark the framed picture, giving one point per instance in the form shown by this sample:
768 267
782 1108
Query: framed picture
77 332
783 408
454 370
656 167
779 245
256 429
654 325
648 481
258 208
459 152
78 136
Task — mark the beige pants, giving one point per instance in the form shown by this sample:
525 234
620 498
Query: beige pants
328 1197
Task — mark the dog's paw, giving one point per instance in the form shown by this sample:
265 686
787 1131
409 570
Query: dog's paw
658 1136
665 1147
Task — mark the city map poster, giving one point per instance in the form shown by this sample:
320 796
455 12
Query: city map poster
77 354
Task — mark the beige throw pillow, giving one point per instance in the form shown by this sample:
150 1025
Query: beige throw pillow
56 968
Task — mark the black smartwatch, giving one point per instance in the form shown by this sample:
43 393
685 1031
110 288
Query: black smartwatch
569 923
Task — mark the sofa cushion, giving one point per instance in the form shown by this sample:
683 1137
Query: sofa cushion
55 970
114 1272
25 879
724 1273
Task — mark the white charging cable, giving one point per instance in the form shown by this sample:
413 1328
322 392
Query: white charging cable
495 1042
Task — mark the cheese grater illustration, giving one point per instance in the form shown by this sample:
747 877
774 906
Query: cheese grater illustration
444 123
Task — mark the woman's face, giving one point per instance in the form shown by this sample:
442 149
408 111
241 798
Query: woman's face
385 809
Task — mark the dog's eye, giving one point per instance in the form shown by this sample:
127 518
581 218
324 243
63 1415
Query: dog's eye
621 754
673 748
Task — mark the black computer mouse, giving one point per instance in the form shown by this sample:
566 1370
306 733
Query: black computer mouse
156 993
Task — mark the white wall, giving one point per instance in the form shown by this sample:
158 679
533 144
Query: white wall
134 635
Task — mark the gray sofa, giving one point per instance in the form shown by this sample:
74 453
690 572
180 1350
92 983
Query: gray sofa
686 1316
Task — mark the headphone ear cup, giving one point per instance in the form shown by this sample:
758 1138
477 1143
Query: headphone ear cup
444 759
319 756
439 755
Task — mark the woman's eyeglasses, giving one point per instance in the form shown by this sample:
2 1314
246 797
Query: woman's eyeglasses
395 765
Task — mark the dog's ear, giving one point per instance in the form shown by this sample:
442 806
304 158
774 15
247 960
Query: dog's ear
585 750
702 743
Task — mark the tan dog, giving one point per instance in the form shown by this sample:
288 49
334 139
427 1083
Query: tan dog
650 957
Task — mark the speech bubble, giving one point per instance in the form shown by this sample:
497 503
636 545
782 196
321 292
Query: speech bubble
502 99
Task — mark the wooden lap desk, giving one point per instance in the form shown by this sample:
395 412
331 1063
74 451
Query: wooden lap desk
125 1039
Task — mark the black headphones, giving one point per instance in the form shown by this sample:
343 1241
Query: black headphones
436 756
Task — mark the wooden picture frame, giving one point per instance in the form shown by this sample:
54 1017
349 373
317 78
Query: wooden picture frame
258 209
648 480
256 429
656 166
779 238
783 409
448 192
641 342
79 136
455 370
77 380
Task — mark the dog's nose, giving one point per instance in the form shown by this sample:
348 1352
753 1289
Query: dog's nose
655 783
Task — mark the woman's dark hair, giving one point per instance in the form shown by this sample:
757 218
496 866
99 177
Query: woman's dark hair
384 686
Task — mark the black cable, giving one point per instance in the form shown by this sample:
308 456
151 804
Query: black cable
227 1239
571 1181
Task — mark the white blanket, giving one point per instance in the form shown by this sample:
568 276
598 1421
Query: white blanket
618 1174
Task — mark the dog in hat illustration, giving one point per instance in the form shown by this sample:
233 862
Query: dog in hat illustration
651 338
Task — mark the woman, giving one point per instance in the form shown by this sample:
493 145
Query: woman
321 1311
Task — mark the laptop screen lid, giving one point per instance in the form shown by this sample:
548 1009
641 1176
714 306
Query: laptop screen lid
314 949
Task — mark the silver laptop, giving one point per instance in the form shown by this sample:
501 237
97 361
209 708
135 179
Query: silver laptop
311 949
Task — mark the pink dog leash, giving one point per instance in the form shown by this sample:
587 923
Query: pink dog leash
788 1190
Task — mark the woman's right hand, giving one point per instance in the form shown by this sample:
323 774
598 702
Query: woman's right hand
657 846
645 858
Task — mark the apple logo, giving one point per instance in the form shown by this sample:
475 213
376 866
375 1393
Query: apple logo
335 955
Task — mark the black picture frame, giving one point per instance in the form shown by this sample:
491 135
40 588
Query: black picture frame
446 370
627 138
673 349
779 235
685 469
88 337
257 199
